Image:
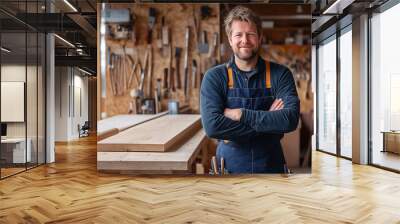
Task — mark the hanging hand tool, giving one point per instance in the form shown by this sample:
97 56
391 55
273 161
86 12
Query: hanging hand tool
158 88
213 54
135 101
171 84
157 101
165 33
120 76
149 71
124 62
194 72
111 73
151 21
164 37
116 74
177 69
196 23
142 73
203 45
165 86
133 76
159 42
187 38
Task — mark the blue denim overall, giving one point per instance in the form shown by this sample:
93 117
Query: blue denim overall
261 153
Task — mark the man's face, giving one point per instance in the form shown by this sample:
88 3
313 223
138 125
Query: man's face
244 40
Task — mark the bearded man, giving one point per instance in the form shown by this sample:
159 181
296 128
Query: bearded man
248 103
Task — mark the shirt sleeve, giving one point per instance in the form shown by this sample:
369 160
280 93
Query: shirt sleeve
212 106
279 121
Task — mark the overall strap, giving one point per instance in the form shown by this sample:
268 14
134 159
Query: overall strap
230 76
267 74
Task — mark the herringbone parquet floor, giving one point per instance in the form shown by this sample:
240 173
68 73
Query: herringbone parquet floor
71 191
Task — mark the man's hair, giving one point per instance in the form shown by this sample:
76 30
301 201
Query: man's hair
242 14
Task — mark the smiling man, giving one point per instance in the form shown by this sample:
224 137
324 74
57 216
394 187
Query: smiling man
248 103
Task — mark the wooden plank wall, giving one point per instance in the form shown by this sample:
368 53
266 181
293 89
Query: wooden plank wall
177 17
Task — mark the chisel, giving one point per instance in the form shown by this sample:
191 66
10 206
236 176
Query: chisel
178 75
165 86
149 71
170 73
194 71
187 36
151 21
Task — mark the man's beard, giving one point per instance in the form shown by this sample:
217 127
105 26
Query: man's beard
253 54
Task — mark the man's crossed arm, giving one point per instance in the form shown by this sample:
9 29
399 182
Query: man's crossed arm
233 124
236 114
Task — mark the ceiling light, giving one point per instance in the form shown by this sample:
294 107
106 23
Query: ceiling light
338 6
5 50
65 41
70 5
84 71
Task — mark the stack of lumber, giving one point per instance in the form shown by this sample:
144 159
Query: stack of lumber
113 125
167 144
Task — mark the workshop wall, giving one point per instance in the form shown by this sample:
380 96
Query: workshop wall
298 59
124 54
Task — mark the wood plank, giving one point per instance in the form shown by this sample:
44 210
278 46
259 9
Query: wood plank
107 133
181 159
163 134
115 124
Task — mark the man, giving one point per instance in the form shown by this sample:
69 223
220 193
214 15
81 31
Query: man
248 103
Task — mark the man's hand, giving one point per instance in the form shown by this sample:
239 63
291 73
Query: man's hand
276 105
233 114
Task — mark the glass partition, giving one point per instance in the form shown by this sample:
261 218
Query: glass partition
327 96
14 153
345 93
385 89
22 77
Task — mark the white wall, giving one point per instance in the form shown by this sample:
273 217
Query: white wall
33 126
61 103
71 93
17 73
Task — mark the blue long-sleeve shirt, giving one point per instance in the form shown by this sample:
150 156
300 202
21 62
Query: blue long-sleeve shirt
213 97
